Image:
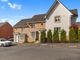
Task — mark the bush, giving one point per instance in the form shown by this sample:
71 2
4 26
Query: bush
78 35
56 37
72 35
43 37
63 36
49 36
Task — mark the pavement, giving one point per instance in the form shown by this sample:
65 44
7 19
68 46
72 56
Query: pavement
41 52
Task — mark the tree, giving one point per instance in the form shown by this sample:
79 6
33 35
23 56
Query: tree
56 37
43 37
49 36
79 35
72 35
63 36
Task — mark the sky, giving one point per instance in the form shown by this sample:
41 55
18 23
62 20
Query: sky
13 11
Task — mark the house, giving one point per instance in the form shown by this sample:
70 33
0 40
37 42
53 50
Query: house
6 30
58 17
28 30
77 25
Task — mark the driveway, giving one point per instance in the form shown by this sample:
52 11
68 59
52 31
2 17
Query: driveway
40 52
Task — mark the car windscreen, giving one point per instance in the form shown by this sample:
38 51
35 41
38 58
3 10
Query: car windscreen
2 40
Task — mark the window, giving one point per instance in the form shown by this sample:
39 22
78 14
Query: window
21 36
57 29
33 34
57 19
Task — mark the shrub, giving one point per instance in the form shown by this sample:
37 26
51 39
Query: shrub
78 35
43 37
56 37
49 36
63 36
72 35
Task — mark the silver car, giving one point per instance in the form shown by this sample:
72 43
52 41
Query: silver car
4 42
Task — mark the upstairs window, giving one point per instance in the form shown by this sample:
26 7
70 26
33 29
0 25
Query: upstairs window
57 19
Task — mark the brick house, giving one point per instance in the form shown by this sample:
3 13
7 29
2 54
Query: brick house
28 29
58 17
6 30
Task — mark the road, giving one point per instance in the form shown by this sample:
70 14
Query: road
39 52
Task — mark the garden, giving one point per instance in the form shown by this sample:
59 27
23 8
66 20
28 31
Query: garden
61 36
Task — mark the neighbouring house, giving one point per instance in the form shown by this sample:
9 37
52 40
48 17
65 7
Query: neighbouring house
6 30
77 25
58 17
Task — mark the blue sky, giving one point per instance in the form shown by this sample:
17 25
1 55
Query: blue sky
15 10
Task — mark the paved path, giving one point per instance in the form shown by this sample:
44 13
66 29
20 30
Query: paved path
39 52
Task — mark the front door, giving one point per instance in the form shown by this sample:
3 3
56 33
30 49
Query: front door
37 36
26 38
16 38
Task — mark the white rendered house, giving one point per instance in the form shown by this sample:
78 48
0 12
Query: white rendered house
60 17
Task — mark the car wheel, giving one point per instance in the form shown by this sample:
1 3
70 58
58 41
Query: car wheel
2 45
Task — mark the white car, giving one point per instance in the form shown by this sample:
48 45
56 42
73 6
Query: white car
4 42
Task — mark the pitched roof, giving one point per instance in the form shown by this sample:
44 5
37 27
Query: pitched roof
34 19
3 23
55 4
74 12
53 7
41 17
22 23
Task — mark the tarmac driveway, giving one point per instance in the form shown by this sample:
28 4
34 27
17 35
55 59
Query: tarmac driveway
39 52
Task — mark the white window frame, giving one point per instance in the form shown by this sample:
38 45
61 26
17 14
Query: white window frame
33 34
57 29
57 19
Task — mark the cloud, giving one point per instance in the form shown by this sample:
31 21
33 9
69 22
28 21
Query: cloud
15 6
7 20
12 5
4 0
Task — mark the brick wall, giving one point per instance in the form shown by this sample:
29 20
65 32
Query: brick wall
6 31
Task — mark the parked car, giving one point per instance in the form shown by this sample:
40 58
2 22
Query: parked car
4 42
